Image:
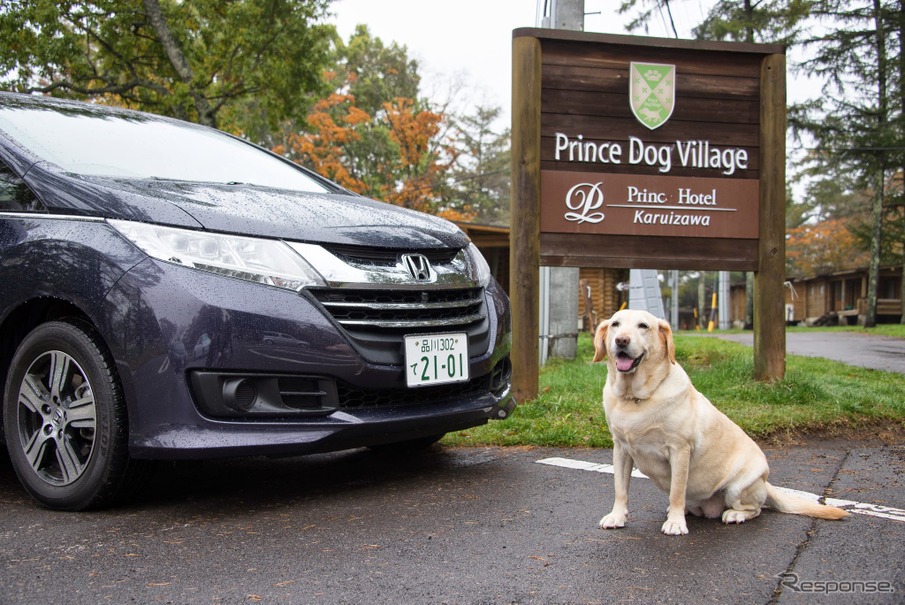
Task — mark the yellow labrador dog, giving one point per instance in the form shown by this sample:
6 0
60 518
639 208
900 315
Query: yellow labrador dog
663 426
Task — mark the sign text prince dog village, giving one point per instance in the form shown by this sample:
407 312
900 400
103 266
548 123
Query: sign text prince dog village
646 183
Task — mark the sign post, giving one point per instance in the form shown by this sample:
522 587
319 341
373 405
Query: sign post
524 247
769 280
645 153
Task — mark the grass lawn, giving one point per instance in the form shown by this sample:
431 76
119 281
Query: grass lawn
816 396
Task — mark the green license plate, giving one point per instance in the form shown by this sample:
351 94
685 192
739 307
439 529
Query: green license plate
436 359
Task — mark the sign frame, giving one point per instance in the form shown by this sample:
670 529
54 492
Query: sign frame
575 85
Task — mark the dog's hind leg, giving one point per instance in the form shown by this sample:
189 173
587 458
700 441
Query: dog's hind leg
745 505
711 508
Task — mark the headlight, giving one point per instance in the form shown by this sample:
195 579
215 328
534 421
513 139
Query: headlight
262 261
478 268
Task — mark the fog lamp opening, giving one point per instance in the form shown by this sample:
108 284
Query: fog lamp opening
239 394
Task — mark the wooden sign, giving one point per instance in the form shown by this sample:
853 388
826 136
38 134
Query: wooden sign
657 139
647 153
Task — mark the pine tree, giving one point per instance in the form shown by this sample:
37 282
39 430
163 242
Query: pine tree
857 122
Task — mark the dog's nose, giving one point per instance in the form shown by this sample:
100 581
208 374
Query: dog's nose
623 341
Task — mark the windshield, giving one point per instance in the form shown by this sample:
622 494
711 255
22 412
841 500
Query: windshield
95 143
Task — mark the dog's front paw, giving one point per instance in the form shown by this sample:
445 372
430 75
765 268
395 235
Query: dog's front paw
675 527
613 521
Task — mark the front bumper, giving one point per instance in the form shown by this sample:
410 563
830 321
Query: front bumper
338 431
171 325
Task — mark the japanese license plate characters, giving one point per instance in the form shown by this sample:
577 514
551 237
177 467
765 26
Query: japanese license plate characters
436 359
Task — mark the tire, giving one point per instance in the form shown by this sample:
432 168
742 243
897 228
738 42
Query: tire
65 419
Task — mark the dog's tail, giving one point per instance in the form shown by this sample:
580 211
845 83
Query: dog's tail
786 502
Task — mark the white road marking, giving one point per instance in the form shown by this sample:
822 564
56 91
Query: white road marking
581 465
857 508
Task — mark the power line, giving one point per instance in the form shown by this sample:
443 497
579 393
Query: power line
839 149
671 20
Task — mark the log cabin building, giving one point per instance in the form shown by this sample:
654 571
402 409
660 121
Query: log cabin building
831 299
841 298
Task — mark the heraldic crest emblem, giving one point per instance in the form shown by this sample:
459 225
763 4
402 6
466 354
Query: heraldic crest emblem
652 92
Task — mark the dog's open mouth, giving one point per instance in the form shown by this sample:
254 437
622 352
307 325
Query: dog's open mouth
627 363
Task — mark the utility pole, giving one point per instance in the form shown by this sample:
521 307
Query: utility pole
558 313
561 14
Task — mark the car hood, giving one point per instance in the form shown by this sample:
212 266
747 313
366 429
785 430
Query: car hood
335 218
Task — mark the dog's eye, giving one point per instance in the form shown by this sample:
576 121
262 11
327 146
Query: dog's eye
643 326
614 324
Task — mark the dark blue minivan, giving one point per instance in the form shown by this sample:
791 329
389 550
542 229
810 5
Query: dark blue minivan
168 291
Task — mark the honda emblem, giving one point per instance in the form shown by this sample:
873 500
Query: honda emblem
418 266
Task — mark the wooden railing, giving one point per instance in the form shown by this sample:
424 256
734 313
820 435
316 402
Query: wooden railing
885 306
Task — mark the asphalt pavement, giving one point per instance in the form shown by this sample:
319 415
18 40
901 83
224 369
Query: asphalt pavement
854 348
466 526
457 526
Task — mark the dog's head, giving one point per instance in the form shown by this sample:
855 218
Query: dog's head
630 338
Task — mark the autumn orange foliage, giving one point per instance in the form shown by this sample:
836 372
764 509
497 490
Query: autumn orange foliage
414 167
821 248
333 121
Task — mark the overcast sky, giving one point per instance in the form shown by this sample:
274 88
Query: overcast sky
472 39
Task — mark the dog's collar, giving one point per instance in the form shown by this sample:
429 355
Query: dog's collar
635 400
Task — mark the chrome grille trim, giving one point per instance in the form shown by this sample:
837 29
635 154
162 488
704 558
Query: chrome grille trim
413 323
388 257
375 298
340 274
377 320
377 306
404 310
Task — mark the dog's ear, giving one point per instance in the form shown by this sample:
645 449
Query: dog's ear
666 339
600 341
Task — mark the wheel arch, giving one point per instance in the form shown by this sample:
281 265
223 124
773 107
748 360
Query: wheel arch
25 318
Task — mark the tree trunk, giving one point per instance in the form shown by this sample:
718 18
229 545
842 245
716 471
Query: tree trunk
901 169
178 61
749 28
873 271
873 274
902 294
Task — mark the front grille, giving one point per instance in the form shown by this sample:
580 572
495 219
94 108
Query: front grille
401 309
387 257
377 320
306 392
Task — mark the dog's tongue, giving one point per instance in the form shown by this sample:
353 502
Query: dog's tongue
624 363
